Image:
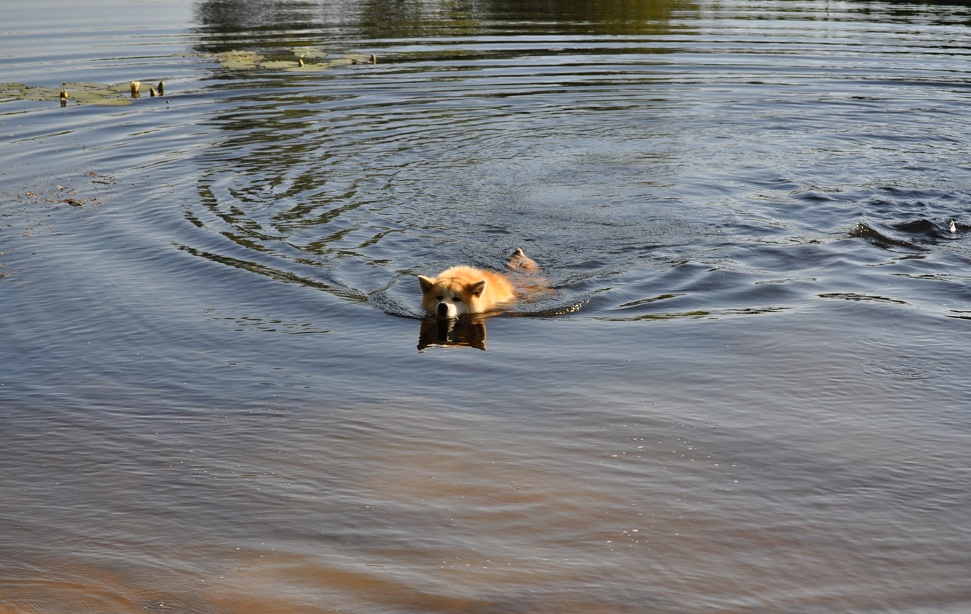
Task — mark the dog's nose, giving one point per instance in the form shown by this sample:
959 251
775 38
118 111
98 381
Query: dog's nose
442 309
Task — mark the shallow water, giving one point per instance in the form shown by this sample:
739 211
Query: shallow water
746 390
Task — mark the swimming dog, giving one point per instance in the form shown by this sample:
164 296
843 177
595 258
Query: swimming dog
463 290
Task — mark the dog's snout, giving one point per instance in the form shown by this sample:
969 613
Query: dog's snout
442 309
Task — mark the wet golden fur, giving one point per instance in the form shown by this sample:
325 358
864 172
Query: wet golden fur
463 290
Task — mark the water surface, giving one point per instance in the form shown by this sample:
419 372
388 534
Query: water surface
746 390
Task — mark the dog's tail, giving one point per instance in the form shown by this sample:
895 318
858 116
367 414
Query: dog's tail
519 261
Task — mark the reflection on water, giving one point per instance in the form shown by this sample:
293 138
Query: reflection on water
464 332
743 388
279 23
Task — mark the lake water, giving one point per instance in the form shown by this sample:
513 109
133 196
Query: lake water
747 389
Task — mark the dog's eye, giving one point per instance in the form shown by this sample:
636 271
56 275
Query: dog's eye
458 299
439 297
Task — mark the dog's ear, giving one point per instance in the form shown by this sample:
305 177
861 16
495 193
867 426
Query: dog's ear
427 283
477 288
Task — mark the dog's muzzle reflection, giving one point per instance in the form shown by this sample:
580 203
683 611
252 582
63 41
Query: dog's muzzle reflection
441 332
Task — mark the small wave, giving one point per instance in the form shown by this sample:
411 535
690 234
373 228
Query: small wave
394 306
854 296
880 239
548 312
941 230
907 368
910 234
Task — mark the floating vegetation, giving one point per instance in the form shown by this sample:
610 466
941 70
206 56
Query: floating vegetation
239 60
79 93
31 213
67 195
302 60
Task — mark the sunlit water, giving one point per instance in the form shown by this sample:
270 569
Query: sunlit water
746 390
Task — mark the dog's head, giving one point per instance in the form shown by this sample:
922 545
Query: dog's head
448 297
